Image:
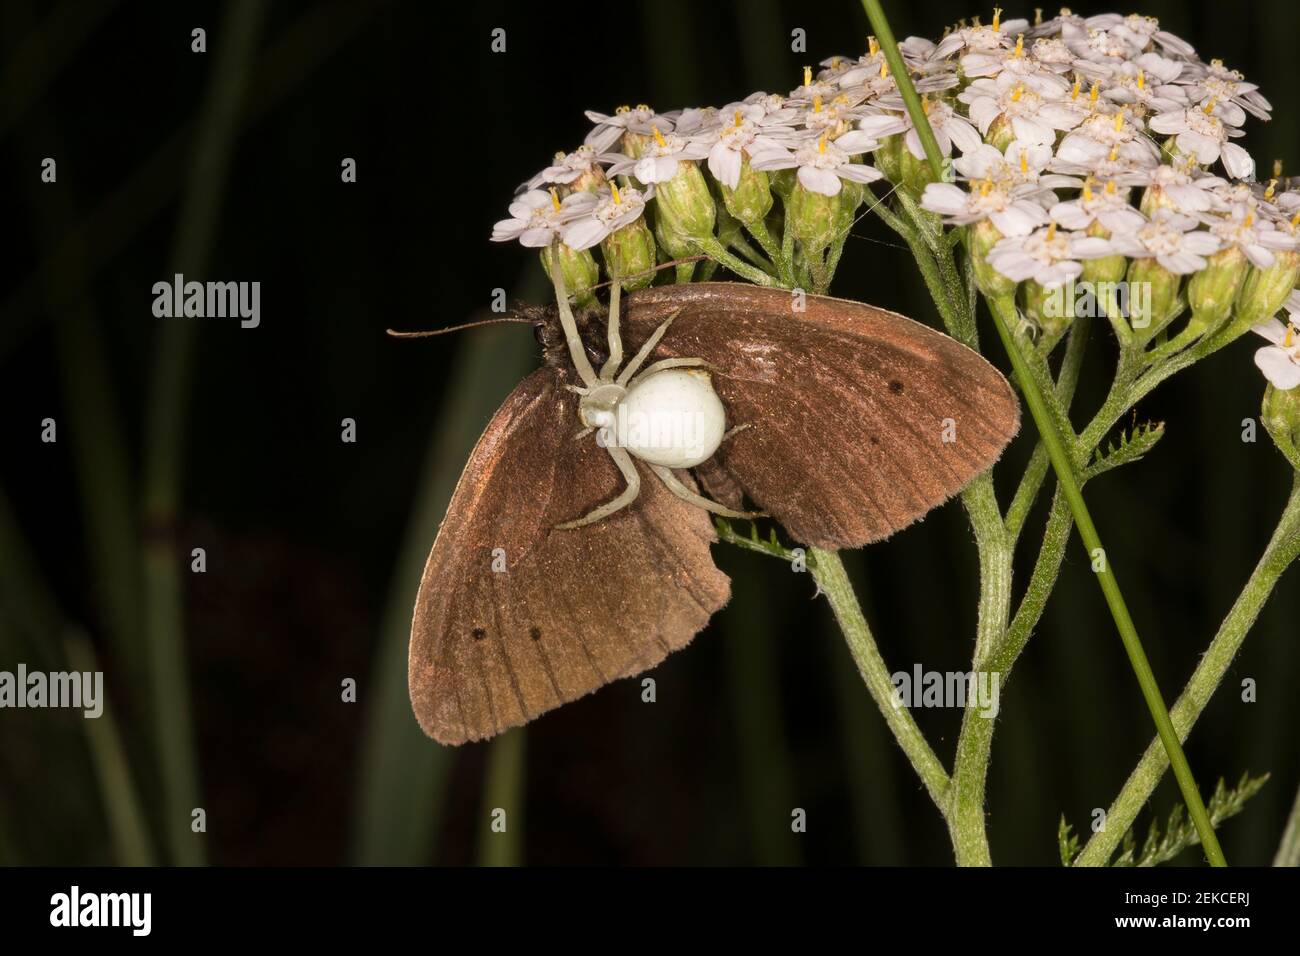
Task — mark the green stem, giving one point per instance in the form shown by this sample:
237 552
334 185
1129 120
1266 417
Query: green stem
966 820
1063 463
712 248
888 46
1282 549
828 571
503 801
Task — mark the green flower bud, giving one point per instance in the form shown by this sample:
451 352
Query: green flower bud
1108 269
684 203
1153 294
751 200
1051 310
981 237
579 269
672 242
628 252
1264 291
813 217
888 157
1281 417
916 173
1212 291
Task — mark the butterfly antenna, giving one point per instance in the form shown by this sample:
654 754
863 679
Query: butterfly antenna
649 272
518 319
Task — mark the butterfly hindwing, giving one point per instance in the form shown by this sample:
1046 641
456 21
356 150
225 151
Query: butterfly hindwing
514 617
861 420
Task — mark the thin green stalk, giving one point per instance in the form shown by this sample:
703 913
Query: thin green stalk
502 843
1036 471
712 248
131 843
1288 851
164 437
889 46
828 571
1062 462
1282 550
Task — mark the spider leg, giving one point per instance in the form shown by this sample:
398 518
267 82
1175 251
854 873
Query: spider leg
681 491
615 339
626 466
666 363
645 350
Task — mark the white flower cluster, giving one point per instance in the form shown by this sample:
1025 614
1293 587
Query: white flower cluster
1072 141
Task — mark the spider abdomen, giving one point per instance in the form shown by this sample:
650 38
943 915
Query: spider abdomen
672 417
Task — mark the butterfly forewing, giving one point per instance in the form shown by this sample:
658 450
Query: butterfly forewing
514 617
861 420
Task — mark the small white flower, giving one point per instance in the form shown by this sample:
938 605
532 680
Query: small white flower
609 129
1172 240
1202 132
613 209
538 216
1148 82
1012 215
1001 60
822 164
996 35
1022 164
1052 54
1036 106
1255 236
661 157
949 126
1047 256
1108 206
743 136
1178 187
1280 362
566 168
1214 81
1105 134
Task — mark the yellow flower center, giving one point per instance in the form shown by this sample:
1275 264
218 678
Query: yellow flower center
997 17
659 137
1142 79
807 76
555 200
613 189
1018 92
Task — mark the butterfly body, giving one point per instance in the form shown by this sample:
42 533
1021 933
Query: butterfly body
833 419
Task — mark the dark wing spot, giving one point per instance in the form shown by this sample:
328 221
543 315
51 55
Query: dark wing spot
478 633
896 387
875 440
535 633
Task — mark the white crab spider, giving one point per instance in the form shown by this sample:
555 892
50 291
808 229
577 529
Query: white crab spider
672 390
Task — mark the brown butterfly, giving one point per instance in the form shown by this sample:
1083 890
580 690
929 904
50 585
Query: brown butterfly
574 552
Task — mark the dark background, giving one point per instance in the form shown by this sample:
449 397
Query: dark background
314 546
